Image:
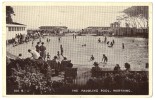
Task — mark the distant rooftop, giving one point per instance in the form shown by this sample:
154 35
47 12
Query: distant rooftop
97 26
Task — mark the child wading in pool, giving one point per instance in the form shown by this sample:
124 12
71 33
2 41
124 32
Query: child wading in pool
61 50
92 58
105 58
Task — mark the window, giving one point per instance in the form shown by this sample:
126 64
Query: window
9 28
12 28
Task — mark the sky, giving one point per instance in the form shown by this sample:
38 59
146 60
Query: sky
74 17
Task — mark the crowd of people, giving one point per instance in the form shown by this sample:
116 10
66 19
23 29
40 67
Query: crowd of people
23 38
104 58
19 39
116 68
109 43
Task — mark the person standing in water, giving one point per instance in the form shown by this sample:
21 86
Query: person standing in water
40 40
48 56
111 44
108 42
59 39
32 42
61 50
105 58
99 40
122 45
105 39
73 36
113 41
47 39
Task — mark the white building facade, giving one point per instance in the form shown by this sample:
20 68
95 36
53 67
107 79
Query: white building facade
14 29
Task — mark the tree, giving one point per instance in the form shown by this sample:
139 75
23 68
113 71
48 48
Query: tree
135 11
9 12
137 14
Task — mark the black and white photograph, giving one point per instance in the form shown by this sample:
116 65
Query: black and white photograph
77 49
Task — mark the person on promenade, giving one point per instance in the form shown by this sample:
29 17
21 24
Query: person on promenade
96 67
64 64
54 65
19 57
105 58
117 67
127 66
35 54
43 51
70 65
38 47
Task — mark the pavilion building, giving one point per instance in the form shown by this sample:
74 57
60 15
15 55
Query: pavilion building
13 29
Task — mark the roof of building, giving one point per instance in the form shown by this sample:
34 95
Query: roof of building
53 26
98 27
15 23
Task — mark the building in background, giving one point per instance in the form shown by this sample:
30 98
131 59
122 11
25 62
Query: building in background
96 30
118 30
13 29
54 29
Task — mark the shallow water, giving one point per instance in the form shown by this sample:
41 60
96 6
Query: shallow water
135 53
